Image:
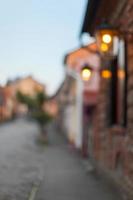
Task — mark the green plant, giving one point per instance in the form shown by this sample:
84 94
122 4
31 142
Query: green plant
35 105
41 117
27 100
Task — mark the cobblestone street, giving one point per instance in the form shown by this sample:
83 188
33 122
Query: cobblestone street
21 160
30 170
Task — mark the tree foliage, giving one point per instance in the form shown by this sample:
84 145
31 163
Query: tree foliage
27 100
35 106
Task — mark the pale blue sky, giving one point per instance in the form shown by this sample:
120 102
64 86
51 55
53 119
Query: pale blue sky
35 35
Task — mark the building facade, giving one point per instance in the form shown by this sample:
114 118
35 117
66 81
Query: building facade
86 91
6 104
113 127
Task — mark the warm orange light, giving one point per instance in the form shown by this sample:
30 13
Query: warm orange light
107 38
121 73
104 47
86 74
106 74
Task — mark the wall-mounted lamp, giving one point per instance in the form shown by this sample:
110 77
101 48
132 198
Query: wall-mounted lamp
86 73
106 74
107 39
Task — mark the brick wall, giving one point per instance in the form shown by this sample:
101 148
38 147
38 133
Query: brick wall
113 147
99 123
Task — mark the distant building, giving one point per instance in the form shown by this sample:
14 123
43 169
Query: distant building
27 86
65 98
2 103
6 104
51 107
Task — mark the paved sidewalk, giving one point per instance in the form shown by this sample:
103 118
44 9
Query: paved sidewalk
65 177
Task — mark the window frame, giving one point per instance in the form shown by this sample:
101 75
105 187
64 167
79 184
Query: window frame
117 110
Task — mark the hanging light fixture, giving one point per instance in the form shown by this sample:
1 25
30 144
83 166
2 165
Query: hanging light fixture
86 73
107 39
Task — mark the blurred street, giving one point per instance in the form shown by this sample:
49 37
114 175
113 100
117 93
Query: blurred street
66 100
21 164
30 170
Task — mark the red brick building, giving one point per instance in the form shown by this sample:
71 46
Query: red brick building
113 123
6 104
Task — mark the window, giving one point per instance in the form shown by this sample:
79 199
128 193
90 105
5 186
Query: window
118 88
122 85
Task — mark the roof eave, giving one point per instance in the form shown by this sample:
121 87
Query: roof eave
90 15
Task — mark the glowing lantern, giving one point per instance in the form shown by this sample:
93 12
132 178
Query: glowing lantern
107 40
86 73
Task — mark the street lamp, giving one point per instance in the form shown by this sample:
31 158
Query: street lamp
107 38
86 73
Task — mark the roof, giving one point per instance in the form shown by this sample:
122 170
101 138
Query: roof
21 79
91 9
98 11
87 55
58 90
91 48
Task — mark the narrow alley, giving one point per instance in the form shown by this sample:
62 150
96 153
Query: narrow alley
55 170
66 100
